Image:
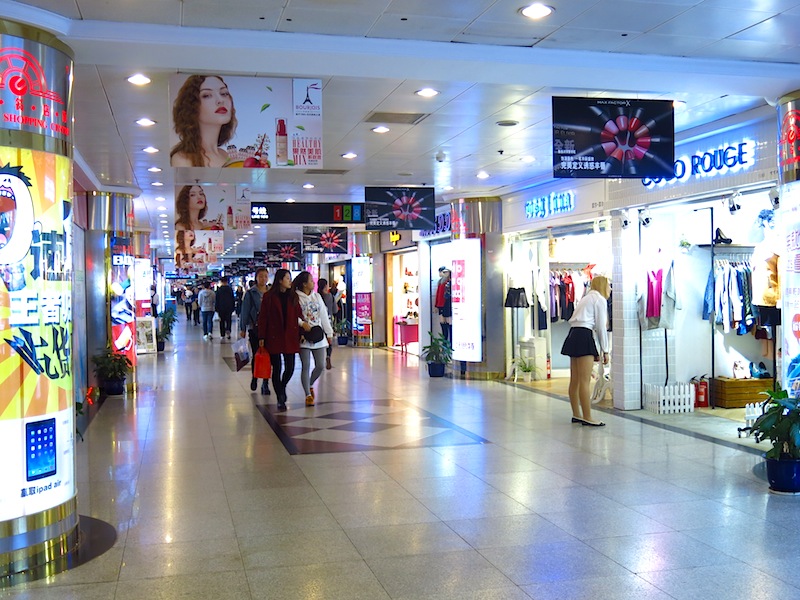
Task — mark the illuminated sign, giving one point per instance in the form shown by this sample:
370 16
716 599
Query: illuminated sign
308 213
36 391
394 237
718 161
466 296
556 203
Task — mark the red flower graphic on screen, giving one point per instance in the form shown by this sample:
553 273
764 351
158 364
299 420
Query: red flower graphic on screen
331 240
288 252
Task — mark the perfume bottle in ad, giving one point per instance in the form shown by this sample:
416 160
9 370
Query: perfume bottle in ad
230 217
281 143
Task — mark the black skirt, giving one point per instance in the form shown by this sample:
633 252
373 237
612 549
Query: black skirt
579 342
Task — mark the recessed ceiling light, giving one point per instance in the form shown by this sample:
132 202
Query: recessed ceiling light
249 233
163 221
448 188
427 92
163 215
256 226
155 169
679 105
507 123
290 200
537 10
381 129
145 122
308 186
349 155
157 183
139 79
528 159
150 150
482 175
160 198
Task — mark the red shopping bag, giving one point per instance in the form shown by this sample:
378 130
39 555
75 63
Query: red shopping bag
262 368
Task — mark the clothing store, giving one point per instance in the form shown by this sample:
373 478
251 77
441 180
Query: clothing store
696 269
559 237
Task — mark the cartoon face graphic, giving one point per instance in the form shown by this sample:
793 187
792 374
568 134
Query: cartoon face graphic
16 215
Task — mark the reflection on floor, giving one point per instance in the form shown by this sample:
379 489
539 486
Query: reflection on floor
209 505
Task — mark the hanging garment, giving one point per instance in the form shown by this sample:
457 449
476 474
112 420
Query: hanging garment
654 283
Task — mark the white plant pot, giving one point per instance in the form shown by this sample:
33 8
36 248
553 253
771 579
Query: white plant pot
526 376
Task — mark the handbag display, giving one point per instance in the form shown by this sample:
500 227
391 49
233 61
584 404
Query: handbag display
262 367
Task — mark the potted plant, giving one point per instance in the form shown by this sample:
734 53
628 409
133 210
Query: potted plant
437 354
780 424
111 369
166 323
342 330
525 366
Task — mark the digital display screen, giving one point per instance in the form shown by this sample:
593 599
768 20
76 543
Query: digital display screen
41 449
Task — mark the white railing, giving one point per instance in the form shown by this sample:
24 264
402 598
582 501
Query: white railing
669 399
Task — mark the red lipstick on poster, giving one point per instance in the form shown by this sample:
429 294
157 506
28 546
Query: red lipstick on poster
609 123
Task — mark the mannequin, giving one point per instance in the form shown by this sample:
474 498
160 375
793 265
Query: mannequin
444 303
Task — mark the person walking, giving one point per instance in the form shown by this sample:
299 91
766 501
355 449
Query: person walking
248 322
314 314
239 296
331 300
155 300
207 299
587 324
225 304
188 300
279 330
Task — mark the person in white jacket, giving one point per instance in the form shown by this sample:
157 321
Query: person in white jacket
314 314
587 331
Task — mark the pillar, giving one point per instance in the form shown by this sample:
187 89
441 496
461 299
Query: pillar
38 508
480 219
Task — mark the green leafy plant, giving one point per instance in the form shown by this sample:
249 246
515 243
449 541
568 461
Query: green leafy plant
110 365
439 350
780 423
342 328
525 364
166 323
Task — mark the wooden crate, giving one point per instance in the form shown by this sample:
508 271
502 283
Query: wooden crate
727 392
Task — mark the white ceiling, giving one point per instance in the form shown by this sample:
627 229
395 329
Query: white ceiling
721 57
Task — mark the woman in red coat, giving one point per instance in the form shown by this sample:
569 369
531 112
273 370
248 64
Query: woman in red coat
279 330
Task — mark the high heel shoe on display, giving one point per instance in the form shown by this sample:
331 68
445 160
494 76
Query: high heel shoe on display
720 238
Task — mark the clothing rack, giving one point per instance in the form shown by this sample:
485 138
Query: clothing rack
567 266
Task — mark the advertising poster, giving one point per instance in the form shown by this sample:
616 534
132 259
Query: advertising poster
122 297
145 335
362 287
790 288
280 252
196 251
466 298
36 387
612 138
399 208
246 122
212 207
363 308
324 240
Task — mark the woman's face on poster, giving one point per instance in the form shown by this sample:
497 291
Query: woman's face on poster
216 103
197 198
188 237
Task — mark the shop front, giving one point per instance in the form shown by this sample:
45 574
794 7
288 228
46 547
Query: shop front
402 290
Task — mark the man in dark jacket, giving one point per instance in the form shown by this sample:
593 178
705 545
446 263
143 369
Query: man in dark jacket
225 305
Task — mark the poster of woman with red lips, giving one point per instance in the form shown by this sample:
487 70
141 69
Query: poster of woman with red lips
613 138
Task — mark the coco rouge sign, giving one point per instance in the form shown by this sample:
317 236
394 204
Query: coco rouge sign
35 88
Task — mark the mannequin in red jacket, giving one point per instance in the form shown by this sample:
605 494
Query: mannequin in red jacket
444 303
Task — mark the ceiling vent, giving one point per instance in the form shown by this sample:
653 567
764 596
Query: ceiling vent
327 171
397 118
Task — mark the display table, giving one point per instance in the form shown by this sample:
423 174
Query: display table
405 333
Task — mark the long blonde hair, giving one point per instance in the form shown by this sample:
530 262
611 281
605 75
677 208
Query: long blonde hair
601 284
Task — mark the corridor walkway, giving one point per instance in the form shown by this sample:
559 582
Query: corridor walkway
404 487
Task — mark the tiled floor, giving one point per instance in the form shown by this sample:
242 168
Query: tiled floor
209 504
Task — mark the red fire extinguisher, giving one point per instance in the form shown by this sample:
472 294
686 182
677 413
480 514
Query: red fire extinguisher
700 392
549 371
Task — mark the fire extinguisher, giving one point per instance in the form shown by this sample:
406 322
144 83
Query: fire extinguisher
549 370
700 391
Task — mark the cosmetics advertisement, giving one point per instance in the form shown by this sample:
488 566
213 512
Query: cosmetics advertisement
466 298
212 207
122 298
789 265
36 387
245 122
613 138
281 252
325 240
400 208
196 251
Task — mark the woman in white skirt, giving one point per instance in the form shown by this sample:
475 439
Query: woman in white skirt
587 329
312 340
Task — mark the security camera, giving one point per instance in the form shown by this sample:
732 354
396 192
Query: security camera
624 220
644 217
440 156
775 198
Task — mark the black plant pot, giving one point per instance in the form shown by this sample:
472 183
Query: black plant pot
342 340
436 369
784 475
160 345
112 387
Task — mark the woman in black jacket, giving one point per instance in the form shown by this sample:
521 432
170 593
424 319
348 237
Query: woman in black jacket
248 322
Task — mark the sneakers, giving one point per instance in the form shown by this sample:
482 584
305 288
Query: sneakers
328 364
309 400
265 388
253 384
227 336
205 336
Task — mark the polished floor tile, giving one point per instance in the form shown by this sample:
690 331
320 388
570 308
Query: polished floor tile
396 486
